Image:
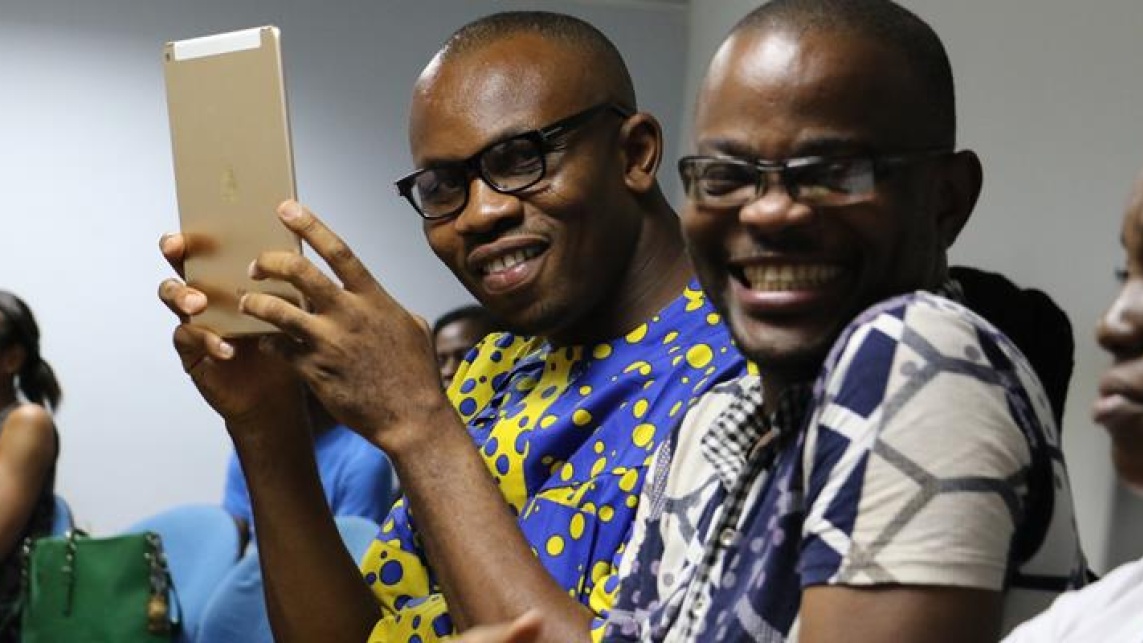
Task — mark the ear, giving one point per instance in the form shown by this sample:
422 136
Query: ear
641 139
960 190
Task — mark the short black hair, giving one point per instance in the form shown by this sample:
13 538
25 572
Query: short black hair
596 48
476 314
885 22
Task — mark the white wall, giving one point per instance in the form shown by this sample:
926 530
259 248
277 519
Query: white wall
87 190
1050 96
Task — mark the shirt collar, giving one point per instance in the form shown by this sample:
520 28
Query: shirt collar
743 427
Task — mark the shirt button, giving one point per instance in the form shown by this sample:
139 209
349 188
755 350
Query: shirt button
727 537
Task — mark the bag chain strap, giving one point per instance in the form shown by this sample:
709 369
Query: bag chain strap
158 608
69 571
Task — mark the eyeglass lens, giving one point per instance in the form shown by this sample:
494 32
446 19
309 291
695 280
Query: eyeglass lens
820 182
510 165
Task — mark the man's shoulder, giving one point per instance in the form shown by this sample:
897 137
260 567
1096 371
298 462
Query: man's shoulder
920 308
907 341
924 321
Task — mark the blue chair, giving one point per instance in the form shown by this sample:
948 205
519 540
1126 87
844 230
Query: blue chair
62 521
237 611
201 545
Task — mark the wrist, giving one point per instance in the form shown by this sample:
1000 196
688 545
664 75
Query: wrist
269 421
429 429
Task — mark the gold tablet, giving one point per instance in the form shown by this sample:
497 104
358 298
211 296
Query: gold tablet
230 138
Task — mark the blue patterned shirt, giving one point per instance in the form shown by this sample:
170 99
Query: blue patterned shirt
927 455
567 432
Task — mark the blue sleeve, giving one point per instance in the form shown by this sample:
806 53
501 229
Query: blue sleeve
235 497
366 486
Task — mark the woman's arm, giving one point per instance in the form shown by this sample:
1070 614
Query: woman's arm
27 451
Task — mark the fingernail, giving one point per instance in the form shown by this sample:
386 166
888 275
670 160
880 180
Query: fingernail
194 300
163 239
252 269
225 349
290 210
242 304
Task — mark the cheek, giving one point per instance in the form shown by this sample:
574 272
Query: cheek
703 231
444 243
898 242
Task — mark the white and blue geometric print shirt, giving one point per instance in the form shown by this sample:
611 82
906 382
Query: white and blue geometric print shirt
924 454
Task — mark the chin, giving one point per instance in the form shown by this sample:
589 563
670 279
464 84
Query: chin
542 318
790 356
782 341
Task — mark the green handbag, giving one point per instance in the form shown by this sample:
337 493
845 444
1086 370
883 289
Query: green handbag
97 590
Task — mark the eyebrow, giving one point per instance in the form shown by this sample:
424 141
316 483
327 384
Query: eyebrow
818 146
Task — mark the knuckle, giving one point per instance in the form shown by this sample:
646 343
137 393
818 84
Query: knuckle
295 265
340 253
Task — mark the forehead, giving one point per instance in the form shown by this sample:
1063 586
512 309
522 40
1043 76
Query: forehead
461 331
781 93
512 85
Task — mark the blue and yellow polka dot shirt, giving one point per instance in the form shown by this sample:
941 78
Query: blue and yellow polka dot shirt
567 433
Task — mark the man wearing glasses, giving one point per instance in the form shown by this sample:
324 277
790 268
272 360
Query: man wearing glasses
893 473
536 183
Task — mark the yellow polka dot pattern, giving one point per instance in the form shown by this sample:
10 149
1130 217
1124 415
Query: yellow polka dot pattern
567 433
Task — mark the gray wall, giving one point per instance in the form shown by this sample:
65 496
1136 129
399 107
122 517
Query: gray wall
87 187
1050 96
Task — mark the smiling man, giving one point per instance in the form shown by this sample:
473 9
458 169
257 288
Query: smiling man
536 183
893 473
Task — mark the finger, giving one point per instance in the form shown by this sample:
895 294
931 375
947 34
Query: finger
318 289
173 246
330 247
486 634
280 313
195 345
181 299
526 629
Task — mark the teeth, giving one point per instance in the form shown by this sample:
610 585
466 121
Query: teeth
789 277
509 260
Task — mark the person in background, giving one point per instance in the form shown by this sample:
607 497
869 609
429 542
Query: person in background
454 335
29 446
1111 610
536 183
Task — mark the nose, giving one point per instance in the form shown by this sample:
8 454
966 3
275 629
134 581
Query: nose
774 209
487 209
1120 330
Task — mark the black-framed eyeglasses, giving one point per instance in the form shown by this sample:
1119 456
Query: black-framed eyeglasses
510 165
822 181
